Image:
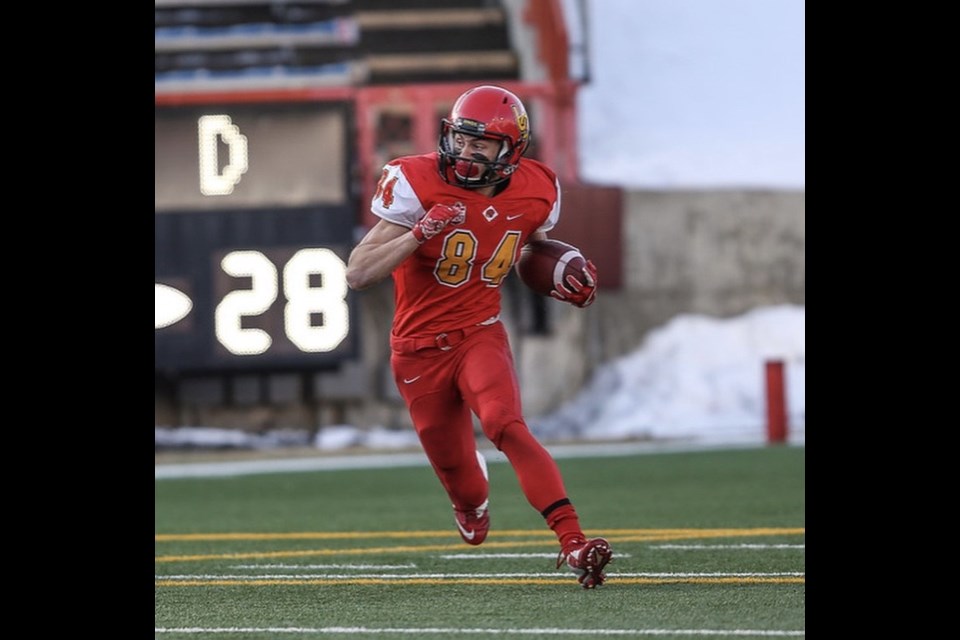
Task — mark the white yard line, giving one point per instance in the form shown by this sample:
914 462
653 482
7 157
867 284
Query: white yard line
448 631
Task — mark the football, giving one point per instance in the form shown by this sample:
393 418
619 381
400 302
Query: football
544 264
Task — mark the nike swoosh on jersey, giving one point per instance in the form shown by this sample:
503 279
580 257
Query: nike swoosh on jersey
466 534
514 217
405 381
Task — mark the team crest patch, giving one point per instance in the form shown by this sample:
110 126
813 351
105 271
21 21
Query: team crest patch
490 213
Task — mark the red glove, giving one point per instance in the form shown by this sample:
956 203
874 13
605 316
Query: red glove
436 219
576 292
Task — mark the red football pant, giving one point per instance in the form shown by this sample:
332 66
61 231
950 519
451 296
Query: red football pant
442 389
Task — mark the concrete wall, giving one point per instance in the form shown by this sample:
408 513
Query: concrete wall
717 253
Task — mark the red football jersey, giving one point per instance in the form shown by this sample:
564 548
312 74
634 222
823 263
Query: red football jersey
452 281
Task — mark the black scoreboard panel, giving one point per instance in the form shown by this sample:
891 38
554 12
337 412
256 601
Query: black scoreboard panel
252 228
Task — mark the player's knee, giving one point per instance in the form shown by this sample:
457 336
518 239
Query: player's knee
496 431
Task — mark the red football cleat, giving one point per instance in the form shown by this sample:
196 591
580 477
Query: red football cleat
587 560
473 523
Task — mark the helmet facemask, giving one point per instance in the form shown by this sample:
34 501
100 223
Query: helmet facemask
477 170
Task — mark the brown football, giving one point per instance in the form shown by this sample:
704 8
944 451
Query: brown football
544 264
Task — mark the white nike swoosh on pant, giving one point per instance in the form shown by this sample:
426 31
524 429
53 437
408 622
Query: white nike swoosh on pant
466 534
405 381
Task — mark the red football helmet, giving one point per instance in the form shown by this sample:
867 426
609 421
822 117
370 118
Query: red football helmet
484 112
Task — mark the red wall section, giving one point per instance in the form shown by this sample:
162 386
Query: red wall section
592 219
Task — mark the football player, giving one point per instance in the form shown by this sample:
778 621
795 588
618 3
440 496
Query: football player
452 223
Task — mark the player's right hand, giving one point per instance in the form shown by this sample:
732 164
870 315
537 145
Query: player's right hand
439 216
579 294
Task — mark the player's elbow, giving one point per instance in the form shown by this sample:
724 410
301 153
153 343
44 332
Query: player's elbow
359 278
355 279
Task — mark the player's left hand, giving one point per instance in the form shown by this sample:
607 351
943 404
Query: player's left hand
580 294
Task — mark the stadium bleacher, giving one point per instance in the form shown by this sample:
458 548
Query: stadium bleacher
236 44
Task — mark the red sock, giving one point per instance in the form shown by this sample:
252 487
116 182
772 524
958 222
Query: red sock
566 524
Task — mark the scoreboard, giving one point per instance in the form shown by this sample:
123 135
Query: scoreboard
253 221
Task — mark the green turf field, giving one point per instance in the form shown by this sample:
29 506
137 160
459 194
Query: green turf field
706 544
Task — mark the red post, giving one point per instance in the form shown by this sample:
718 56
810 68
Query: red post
776 402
